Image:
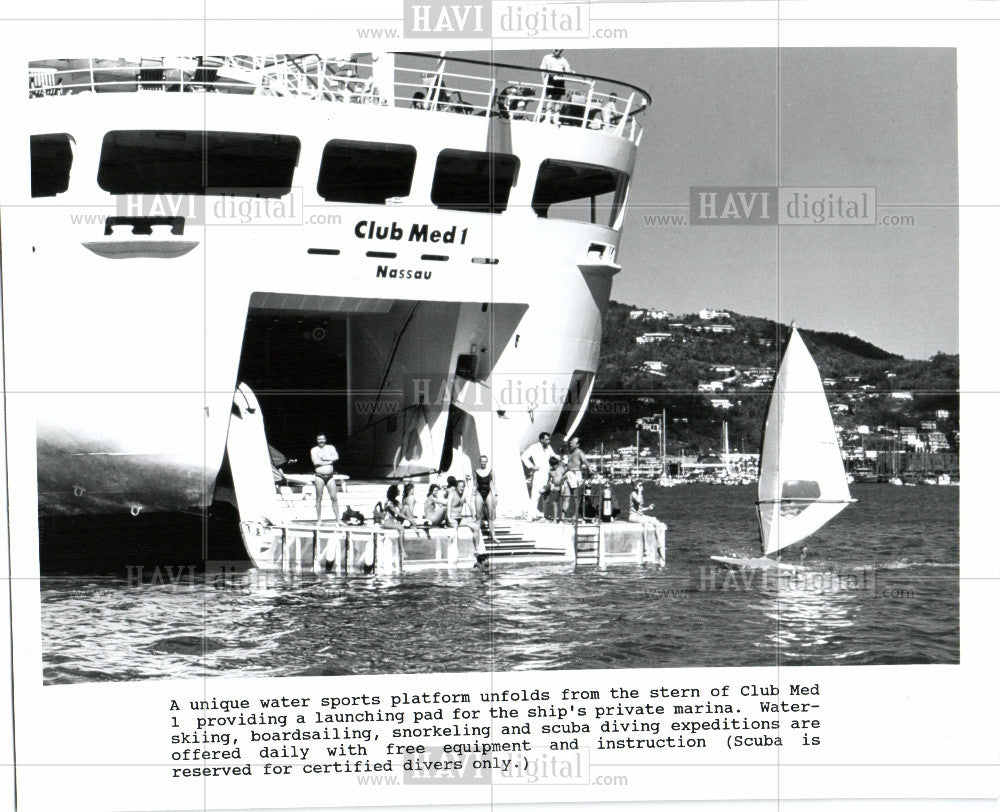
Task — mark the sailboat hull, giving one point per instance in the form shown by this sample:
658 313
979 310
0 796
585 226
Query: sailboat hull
753 563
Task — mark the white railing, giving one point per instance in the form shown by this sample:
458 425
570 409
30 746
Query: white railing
452 85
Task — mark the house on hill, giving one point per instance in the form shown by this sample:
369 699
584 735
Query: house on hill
652 338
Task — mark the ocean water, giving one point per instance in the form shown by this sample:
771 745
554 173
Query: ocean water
880 584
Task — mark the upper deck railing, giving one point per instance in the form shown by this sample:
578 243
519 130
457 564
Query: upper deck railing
422 82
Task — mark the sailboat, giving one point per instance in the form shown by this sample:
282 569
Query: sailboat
802 483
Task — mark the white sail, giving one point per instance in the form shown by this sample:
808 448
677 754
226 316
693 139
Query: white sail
802 480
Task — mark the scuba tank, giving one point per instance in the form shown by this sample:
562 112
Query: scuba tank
606 509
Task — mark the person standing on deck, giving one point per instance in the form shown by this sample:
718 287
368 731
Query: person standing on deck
486 495
609 112
536 459
323 457
576 464
553 67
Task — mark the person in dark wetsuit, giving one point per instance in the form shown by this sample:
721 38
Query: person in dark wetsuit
485 493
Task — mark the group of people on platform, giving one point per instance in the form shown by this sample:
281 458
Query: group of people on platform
556 483
450 505
556 487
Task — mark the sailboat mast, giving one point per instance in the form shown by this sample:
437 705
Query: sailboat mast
663 441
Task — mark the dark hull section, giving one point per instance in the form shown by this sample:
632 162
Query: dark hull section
111 545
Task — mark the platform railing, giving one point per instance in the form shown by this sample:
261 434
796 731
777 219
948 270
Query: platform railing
423 82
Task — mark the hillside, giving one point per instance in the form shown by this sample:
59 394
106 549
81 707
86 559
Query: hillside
682 363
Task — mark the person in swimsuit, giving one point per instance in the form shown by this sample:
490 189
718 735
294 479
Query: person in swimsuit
651 526
458 503
552 492
435 507
637 507
576 466
486 497
409 504
394 518
323 457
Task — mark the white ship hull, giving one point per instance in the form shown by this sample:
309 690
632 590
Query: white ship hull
145 340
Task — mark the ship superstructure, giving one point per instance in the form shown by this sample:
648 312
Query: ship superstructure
408 253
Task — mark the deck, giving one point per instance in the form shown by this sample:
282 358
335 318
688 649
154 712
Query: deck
292 540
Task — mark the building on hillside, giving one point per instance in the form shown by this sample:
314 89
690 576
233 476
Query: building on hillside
711 386
937 441
652 338
708 315
720 328
722 403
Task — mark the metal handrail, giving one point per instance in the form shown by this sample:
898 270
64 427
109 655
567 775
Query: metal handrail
326 80
643 94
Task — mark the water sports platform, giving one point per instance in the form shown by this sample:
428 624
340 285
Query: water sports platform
290 539
280 530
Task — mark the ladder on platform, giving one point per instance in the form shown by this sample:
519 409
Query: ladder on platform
588 543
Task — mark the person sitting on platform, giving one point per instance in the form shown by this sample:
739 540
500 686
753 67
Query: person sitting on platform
393 518
435 507
409 504
458 503
323 457
637 513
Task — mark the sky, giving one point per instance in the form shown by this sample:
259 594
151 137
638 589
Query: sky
823 117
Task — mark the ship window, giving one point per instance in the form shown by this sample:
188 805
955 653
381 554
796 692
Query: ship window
473 181
365 171
51 160
196 162
566 190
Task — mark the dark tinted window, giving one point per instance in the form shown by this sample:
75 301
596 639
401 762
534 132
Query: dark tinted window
473 181
567 190
365 171
51 160
194 162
